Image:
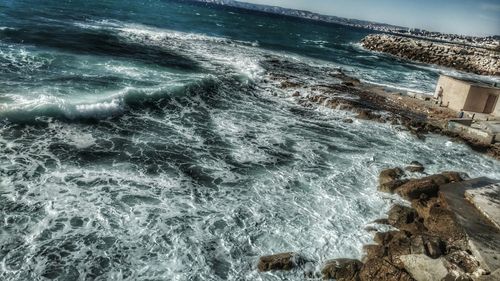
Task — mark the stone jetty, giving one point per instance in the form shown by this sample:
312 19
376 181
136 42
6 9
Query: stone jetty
460 57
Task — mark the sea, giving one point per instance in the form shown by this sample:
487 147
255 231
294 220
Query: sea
143 140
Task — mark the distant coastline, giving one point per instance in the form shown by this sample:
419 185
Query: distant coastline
488 42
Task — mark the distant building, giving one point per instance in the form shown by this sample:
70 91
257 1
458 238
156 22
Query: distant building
466 95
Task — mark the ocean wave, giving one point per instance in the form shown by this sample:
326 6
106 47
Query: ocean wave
19 108
15 59
211 51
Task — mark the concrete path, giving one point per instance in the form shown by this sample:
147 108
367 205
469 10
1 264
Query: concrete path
479 219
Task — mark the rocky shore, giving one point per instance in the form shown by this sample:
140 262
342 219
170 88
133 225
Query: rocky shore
427 242
464 58
339 91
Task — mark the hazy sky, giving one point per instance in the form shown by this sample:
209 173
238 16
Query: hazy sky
473 17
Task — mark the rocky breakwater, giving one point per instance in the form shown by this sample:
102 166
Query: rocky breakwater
426 242
465 58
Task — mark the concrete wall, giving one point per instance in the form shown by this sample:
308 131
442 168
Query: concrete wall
476 100
496 110
455 92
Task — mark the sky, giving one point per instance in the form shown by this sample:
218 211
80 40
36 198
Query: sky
469 17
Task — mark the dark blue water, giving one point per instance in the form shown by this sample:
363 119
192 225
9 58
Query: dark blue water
144 140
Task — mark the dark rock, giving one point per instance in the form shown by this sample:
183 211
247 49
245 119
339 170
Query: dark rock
424 204
367 115
296 94
415 188
348 120
453 176
434 246
415 167
406 218
283 261
342 270
381 221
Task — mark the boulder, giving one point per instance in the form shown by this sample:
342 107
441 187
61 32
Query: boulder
389 175
283 261
414 189
342 270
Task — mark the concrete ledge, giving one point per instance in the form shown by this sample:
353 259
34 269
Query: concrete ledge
484 236
487 200
471 132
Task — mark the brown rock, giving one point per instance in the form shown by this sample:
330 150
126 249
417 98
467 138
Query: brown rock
342 270
390 187
389 175
415 167
399 216
453 176
283 261
464 261
415 188
383 270
374 251
423 205
442 222
367 115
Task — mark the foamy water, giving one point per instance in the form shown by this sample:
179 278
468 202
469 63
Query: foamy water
165 155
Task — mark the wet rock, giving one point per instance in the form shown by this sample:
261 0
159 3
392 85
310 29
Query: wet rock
405 218
348 120
381 221
283 261
389 175
296 94
415 167
415 188
390 187
453 176
342 270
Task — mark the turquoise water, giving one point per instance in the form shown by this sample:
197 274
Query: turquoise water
142 140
